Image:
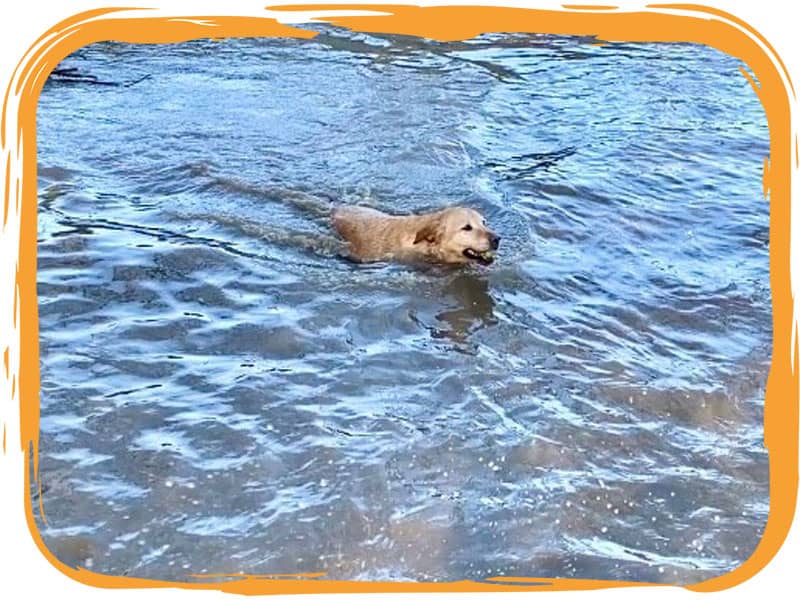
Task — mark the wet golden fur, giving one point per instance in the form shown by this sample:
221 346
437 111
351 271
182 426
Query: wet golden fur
442 236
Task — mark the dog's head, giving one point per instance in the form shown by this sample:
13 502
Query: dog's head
459 235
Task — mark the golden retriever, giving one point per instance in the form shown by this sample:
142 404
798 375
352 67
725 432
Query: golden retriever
452 236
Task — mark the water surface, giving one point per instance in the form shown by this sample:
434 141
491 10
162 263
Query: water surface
222 393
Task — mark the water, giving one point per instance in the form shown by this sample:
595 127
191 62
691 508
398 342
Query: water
222 392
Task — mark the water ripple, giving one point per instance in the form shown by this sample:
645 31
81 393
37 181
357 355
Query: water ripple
222 392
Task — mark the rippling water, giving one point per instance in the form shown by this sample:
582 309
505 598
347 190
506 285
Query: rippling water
222 393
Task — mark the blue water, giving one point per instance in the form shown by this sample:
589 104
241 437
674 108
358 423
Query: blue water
222 392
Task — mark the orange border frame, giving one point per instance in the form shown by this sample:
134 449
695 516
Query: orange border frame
681 23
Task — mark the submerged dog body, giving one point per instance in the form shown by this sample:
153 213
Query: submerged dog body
452 235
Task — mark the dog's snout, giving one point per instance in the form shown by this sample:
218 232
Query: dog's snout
495 241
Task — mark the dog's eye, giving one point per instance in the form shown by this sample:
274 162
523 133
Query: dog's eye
467 228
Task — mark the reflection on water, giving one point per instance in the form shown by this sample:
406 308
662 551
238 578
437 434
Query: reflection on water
473 308
222 392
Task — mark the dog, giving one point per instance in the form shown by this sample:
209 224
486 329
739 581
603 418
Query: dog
454 236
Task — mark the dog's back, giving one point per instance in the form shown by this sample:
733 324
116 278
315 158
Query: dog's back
371 234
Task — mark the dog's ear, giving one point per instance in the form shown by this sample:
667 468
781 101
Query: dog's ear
428 233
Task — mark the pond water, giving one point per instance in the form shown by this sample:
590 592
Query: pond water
222 392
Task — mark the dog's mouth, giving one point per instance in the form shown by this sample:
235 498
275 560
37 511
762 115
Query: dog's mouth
486 257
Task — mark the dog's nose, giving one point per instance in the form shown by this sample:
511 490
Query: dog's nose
495 242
